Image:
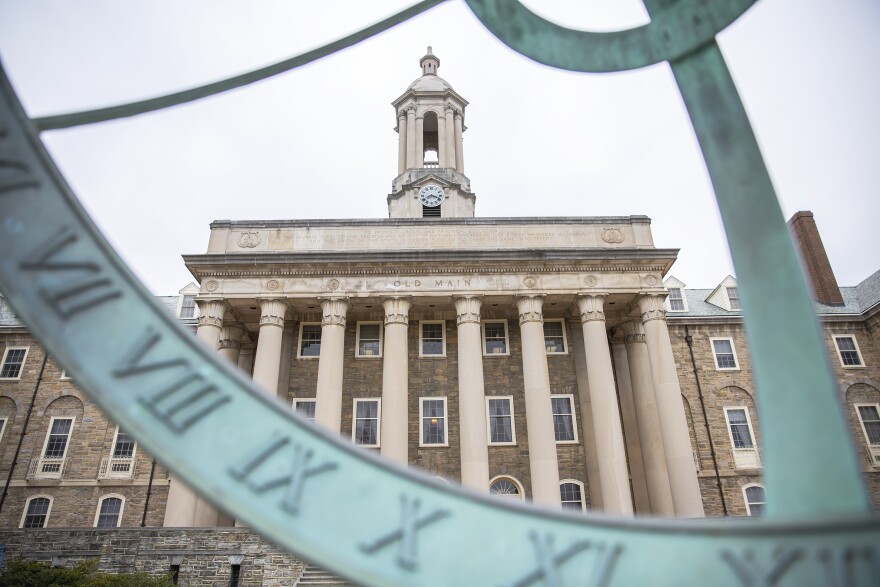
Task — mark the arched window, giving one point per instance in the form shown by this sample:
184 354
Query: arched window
571 493
36 512
506 487
430 142
755 499
109 513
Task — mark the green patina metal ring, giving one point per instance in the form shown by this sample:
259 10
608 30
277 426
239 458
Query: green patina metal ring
673 32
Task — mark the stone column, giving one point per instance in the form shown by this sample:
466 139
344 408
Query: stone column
471 395
579 355
420 141
246 358
184 508
230 342
645 404
539 411
686 496
616 497
395 381
210 322
459 146
267 363
328 409
450 137
410 137
401 142
442 157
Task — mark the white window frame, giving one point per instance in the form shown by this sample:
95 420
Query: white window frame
354 420
106 471
121 509
299 341
506 338
669 299
514 480
509 398
746 497
357 342
422 416
873 449
38 472
303 400
715 354
182 299
23 361
27 506
852 337
3 422
64 376
561 322
743 458
579 484
422 338
738 299
573 417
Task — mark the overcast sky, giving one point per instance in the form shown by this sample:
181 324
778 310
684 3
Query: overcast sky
318 142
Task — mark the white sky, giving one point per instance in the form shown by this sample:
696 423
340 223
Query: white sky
318 142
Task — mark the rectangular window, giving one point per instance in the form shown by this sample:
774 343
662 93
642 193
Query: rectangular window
433 339
13 362
499 411
869 417
495 337
188 307
305 407
56 440
733 298
124 446
37 513
369 339
725 354
848 351
554 337
745 453
309 340
432 426
676 301
365 427
564 424
120 463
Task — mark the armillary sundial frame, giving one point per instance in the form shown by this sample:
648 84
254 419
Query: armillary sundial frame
379 523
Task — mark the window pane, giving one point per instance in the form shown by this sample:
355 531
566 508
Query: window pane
110 509
871 419
37 512
675 299
12 365
188 307
366 428
554 340
368 341
500 427
739 429
570 494
733 296
848 353
57 442
433 419
124 446
724 354
562 419
306 408
310 345
432 339
504 487
495 340
756 499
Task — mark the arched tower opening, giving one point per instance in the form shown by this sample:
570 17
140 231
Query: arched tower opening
430 140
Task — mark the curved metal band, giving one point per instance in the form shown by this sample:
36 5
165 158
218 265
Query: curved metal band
672 33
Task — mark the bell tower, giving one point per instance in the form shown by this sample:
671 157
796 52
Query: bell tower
430 163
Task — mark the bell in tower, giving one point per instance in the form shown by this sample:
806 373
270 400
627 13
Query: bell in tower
430 121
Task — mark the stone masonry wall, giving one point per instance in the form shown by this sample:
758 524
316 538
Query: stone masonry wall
205 555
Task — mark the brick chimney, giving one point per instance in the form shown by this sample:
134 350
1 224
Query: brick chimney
818 270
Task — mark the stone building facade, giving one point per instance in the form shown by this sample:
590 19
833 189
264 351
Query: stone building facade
545 359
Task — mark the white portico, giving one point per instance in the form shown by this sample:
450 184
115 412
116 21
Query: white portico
465 346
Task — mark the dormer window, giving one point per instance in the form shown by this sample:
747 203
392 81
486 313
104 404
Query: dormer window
188 307
676 300
733 298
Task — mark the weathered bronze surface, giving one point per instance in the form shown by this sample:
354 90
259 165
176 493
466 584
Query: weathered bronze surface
383 525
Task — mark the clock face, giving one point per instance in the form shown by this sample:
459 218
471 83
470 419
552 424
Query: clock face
431 195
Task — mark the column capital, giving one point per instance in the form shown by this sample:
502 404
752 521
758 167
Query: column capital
230 336
401 113
211 312
396 310
467 309
591 307
334 311
458 113
633 331
410 109
651 307
529 308
272 311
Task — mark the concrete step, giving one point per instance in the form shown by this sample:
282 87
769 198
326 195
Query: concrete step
316 576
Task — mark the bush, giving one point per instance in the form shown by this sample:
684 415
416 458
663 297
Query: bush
34 574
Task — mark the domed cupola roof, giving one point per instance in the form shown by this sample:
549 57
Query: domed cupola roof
430 81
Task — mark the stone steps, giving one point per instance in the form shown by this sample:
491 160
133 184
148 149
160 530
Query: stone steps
316 576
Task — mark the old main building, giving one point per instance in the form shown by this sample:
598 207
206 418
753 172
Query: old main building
549 359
